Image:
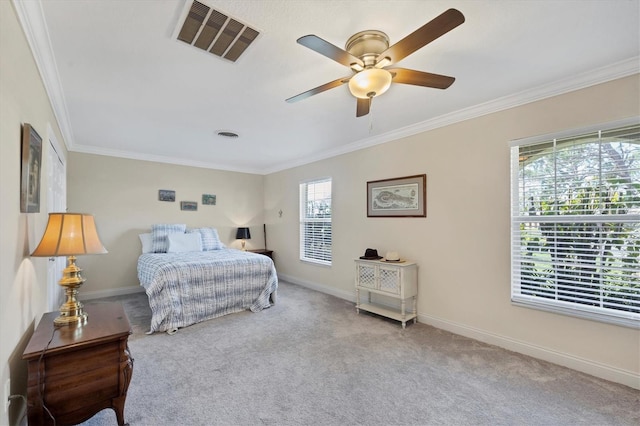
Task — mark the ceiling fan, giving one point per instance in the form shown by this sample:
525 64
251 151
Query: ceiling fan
369 56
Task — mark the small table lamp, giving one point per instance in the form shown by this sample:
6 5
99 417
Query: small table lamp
243 234
70 234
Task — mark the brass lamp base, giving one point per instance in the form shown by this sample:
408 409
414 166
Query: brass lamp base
71 311
71 317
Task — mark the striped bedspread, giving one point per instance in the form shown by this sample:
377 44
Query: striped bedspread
187 288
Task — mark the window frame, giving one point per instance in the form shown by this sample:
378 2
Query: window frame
304 221
601 314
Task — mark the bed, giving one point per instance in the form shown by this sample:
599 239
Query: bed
187 286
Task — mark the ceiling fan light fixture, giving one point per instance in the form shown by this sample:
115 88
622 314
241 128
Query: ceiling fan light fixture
369 83
368 53
383 62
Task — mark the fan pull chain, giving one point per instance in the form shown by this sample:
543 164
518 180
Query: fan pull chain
370 117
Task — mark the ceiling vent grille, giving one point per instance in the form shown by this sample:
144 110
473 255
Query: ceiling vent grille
215 32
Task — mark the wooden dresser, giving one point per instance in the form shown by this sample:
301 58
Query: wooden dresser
268 253
83 369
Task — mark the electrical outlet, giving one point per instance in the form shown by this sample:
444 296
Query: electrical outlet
7 392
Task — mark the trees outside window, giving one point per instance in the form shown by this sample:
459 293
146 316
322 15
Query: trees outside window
576 224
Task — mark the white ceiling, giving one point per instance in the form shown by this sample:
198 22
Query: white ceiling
123 86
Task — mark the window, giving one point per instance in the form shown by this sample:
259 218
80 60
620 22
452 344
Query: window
575 223
315 221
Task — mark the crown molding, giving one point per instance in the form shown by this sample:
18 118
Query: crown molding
604 74
84 149
36 31
35 28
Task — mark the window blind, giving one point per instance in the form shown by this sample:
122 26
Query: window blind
315 221
575 218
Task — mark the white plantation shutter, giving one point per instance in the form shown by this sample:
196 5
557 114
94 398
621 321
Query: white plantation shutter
575 219
315 221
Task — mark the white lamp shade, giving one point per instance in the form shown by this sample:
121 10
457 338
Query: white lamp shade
369 83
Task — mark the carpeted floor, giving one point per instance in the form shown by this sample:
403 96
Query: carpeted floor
311 360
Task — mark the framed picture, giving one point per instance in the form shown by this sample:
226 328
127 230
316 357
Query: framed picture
208 199
398 197
30 169
190 206
166 195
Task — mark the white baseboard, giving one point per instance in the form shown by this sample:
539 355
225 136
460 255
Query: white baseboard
88 295
603 371
319 287
593 368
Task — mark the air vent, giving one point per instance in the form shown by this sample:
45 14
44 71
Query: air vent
211 30
227 134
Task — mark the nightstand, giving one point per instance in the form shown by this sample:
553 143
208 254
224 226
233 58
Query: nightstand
77 371
268 253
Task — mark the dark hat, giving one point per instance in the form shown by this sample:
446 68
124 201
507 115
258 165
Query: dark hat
371 254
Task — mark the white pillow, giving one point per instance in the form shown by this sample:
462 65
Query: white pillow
147 242
179 243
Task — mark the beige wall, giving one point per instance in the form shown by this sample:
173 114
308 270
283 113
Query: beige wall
462 247
122 194
23 99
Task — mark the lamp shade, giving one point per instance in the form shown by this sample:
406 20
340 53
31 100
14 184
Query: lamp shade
69 234
243 234
369 83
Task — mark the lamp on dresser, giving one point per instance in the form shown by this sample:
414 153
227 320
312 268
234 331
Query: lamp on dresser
243 234
71 235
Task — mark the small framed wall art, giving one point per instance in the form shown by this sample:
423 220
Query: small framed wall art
166 195
398 197
190 206
208 199
30 170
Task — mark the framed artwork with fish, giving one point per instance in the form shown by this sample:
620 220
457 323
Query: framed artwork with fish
397 197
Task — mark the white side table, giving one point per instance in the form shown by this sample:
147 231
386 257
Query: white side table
397 280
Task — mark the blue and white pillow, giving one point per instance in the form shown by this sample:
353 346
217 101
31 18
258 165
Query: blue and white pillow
159 233
210 238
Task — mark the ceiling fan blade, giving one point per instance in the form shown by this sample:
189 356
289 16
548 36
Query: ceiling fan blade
319 89
363 106
424 35
420 78
327 49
